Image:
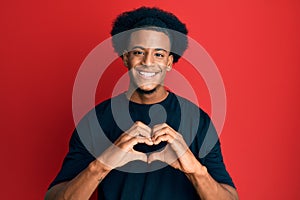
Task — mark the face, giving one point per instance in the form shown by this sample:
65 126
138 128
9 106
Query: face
148 59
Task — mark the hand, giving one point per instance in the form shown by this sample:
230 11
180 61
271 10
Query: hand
176 153
122 152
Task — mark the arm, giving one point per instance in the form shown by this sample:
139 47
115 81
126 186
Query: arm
117 155
90 178
178 155
207 187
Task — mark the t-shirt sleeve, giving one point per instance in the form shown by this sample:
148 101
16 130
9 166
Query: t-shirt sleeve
214 163
76 160
210 153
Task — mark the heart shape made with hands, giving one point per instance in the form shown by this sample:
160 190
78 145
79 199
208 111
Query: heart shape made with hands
167 145
159 152
140 142
144 148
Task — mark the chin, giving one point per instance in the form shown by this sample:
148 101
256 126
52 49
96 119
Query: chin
146 91
148 86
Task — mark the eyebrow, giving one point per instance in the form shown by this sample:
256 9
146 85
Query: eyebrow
143 48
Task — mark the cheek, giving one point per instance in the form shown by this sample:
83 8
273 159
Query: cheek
135 58
135 62
164 74
164 62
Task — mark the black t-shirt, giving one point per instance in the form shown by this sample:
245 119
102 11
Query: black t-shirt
137 180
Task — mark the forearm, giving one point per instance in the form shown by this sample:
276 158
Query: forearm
82 186
208 188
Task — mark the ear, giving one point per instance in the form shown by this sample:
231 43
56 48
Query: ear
170 63
125 58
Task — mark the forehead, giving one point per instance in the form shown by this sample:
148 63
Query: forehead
149 39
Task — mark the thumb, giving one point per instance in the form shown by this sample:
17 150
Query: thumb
156 156
140 156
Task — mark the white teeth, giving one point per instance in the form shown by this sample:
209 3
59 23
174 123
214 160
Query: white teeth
147 74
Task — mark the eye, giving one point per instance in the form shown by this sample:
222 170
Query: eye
160 55
137 52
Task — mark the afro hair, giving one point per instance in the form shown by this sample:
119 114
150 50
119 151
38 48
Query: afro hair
144 17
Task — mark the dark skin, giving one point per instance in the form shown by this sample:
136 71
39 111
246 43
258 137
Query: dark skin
148 60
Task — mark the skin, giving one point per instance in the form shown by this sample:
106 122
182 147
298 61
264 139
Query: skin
148 55
148 60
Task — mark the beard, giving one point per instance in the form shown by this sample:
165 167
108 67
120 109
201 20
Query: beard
141 91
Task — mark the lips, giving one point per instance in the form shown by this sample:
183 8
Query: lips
146 74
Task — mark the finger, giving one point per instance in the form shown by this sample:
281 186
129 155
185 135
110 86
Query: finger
167 156
133 133
174 139
140 128
123 138
158 127
142 132
142 125
165 128
164 131
138 139
163 138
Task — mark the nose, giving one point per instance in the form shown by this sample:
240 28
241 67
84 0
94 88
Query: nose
148 59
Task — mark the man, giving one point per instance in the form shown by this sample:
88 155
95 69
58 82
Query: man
164 128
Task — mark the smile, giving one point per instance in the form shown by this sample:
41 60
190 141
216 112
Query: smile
147 74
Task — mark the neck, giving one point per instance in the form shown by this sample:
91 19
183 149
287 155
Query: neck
147 97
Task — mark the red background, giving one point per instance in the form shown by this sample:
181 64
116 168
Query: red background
255 45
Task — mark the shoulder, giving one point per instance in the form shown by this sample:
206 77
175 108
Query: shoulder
188 107
105 105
